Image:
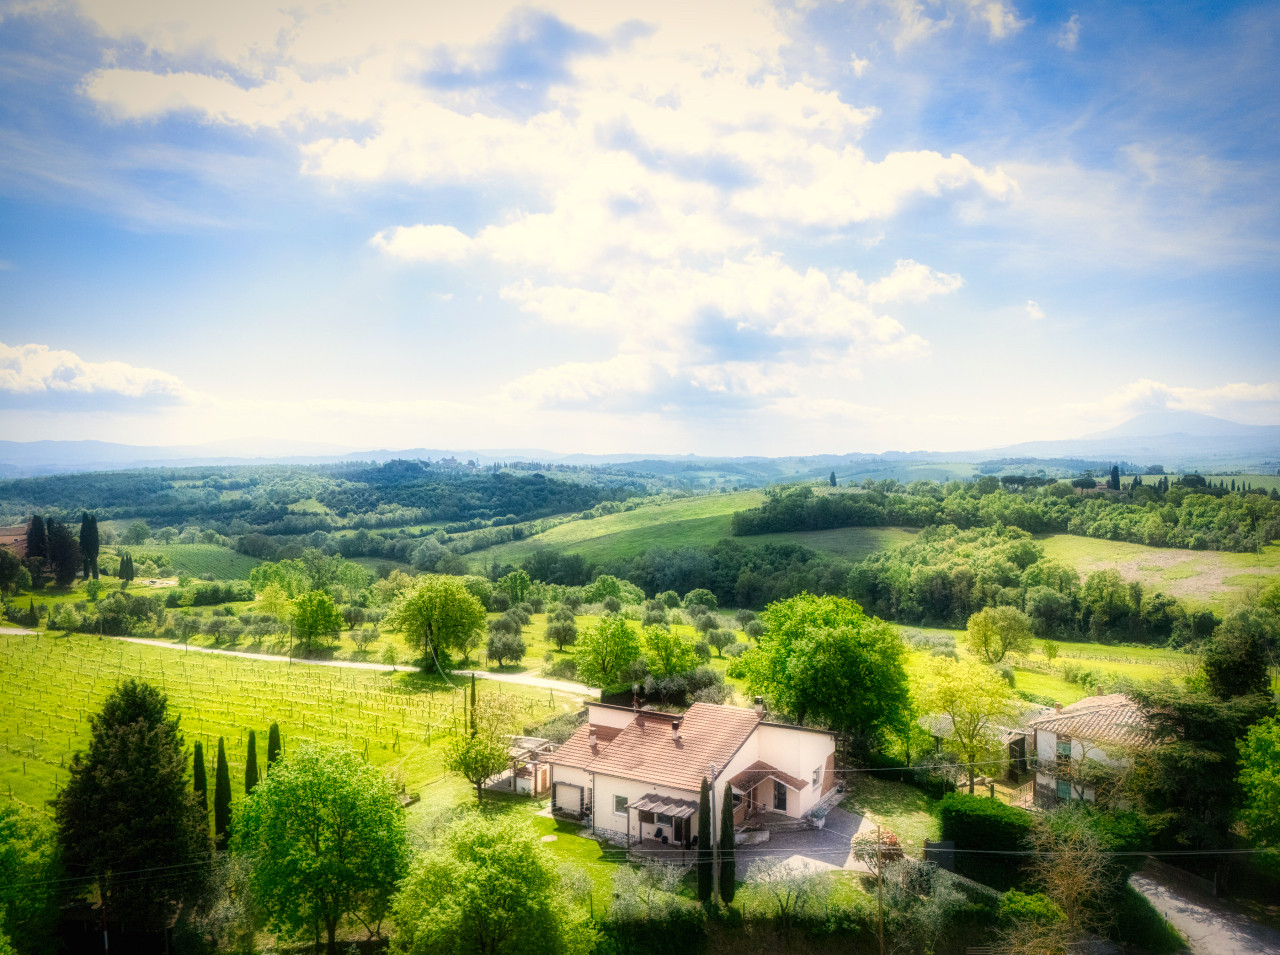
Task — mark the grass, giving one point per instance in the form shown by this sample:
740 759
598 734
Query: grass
399 720
902 809
692 521
1213 579
851 543
199 560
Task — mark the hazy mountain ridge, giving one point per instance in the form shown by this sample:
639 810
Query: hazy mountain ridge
1175 439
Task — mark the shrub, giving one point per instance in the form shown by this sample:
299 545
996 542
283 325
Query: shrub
654 618
700 597
506 624
702 650
1006 674
754 629
977 822
735 650
611 604
669 599
1016 907
500 601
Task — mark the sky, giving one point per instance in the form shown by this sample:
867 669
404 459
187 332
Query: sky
716 228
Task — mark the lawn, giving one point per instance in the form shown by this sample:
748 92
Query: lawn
903 810
1213 579
399 720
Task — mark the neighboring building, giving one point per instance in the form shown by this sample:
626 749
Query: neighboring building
637 774
14 539
1105 729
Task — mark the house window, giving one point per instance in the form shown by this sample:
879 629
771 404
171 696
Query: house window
620 805
664 819
1064 789
1064 748
817 775
779 796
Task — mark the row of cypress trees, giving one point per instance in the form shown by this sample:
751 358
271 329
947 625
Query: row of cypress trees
222 779
706 854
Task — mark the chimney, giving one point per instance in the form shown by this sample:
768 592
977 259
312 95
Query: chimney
759 706
675 731
591 737
1097 691
1057 707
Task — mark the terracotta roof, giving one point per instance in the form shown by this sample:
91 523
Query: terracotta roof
1113 718
577 751
758 772
646 751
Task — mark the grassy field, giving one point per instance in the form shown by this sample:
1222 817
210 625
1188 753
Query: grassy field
399 720
199 560
683 522
851 543
1213 579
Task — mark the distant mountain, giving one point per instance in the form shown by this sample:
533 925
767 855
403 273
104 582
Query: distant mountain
1176 439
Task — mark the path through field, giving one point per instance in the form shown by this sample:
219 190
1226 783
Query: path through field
522 679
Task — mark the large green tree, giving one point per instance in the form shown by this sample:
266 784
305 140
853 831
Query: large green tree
1236 658
994 632
315 618
822 658
667 651
604 652
485 751
31 879
89 543
128 806
489 886
64 553
974 700
437 614
1260 781
326 838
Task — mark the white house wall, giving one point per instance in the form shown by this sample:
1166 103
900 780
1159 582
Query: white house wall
615 824
601 715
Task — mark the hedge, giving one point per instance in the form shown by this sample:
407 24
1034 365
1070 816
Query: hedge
982 823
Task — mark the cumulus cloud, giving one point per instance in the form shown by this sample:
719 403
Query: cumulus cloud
1242 399
912 282
37 376
1034 311
424 243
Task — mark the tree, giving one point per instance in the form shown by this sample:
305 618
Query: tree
485 751
125 571
31 879
728 864
1114 481
272 599
706 853
505 646
64 553
37 539
1070 863
994 632
604 652
832 479
128 806
1260 781
974 699
326 836
1236 658
437 614
315 617
562 633
251 764
89 543
823 658
517 585
273 745
489 886
700 597
721 639
1188 782
668 652
222 797
199 783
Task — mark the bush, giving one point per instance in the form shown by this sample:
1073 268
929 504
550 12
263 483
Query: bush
700 597
506 624
1018 907
735 650
669 599
611 604
500 601
977 822
505 646
1006 674
653 618
754 630
702 650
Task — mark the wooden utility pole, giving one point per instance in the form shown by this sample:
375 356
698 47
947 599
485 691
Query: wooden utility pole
879 891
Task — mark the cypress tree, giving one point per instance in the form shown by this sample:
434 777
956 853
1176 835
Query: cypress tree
706 855
199 783
273 745
222 798
64 553
89 545
37 541
251 764
728 865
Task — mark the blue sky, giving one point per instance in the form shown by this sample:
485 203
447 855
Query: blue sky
714 228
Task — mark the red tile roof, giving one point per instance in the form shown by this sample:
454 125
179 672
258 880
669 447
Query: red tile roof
1113 718
758 772
645 749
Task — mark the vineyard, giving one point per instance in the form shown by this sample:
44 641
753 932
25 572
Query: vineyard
53 685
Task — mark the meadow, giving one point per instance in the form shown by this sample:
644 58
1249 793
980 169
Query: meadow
208 561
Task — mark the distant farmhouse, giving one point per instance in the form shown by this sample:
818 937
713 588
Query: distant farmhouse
635 775
1104 729
14 539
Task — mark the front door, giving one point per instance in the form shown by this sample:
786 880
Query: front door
679 828
779 796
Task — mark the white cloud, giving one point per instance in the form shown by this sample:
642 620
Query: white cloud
1069 36
37 374
424 243
1238 400
859 65
1000 18
1034 311
912 282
